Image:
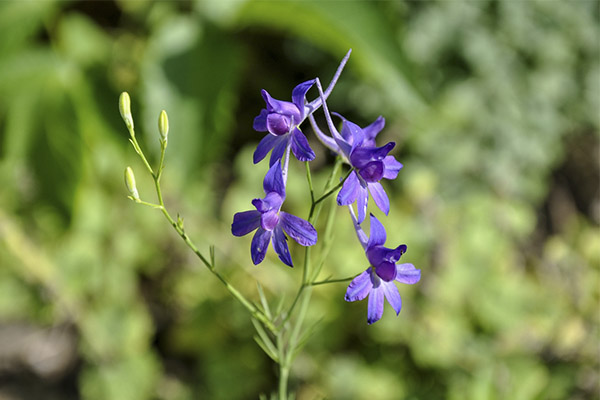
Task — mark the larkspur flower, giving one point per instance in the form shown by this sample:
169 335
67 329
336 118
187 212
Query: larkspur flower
282 120
271 222
377 281
356 146
371 165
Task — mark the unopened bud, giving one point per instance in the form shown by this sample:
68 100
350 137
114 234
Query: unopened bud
163 125
130 183
125 110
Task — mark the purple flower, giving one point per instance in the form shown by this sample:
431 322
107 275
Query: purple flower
371 164
281 119
377 281
271 222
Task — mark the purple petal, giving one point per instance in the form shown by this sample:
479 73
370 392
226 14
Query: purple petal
298 229
298 97
407 273
386 271
380 197
392 167
393 296
395 254
281 247
278 124
360 286
351 132
375 309
372 171
378 235
361 156
279 149
274 181
260 122
372 130
245 222
265 145
269 220
361 204
300 146
259 245
281 107
349 191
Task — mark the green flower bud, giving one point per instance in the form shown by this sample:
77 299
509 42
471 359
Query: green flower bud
163 125
130 183
125 110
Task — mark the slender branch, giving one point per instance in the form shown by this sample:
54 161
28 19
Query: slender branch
326 281
254 311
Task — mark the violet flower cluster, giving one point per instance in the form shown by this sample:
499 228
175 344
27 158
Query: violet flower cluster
369 165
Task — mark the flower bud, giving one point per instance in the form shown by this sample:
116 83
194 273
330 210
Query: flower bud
163 125
125 110
130 183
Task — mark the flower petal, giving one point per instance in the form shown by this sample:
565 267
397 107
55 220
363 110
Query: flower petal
298 229
407 273
300 146
392 295
269 220
259 245
380 197
278 124
274 181
280 245
378 235
372 171
392 167
245 222
298 95
263 148
351 132
361 204
372 130
375 309
281 107
361 156
394 255
260 121
360 286
279 149
386 271
349 191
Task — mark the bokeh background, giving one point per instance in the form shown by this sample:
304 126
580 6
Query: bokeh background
494 108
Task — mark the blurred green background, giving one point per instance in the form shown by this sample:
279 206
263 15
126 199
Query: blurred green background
493 106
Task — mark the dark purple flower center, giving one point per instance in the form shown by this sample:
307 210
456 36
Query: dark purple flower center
373 171
386 271
269 210
278 124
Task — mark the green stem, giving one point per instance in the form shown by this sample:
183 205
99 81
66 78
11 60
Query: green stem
240 297
255 312
326 281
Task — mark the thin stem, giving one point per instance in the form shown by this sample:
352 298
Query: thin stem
310 184
326 281
161 163
255 312
139 151
333 189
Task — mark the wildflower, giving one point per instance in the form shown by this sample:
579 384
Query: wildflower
371 165
377 281
356 146
281 119
271 222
